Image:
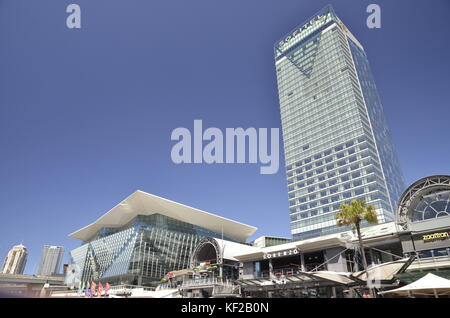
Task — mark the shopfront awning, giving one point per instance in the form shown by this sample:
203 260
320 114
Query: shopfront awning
384 273
302 278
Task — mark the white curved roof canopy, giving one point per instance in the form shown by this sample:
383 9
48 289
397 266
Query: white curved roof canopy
231 249
142 203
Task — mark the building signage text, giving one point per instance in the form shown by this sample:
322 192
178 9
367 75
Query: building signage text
290 252
436 236
294 34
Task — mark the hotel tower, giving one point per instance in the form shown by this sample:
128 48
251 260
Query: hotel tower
336 140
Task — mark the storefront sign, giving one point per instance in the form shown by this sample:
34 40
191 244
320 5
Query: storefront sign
436 236
290 252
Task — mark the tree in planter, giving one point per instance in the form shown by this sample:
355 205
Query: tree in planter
353 214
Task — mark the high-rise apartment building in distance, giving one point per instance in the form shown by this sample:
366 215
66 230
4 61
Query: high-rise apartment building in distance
16 260
336 140
50 262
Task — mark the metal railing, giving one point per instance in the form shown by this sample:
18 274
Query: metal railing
127 289
200 282
280 272
206 281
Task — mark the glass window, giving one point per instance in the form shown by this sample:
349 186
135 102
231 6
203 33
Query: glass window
440 252
357 183
433 205
349 144
425 254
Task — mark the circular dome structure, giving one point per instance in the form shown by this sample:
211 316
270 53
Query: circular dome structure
426 199
207 249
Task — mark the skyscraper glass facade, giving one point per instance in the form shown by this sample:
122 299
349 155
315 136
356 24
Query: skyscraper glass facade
336 141
138 253
50 262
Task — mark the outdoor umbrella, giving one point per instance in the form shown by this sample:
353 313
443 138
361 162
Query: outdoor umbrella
430 285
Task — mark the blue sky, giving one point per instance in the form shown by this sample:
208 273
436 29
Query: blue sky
86 115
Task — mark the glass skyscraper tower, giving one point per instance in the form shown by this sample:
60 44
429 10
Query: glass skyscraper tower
336 140
50 262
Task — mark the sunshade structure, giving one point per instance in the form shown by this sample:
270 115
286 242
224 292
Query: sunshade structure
428 285
383 274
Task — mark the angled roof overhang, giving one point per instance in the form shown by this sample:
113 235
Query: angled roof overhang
142 203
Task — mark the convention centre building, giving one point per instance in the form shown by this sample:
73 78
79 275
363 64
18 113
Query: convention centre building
144 237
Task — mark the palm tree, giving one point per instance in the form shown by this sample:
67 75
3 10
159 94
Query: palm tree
353 214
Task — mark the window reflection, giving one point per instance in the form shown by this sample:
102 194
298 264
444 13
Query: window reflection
431 206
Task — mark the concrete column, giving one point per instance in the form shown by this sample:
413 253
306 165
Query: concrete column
302 262
270 268
371 257
333 291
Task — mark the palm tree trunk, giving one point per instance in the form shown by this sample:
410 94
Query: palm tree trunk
363 254
361 246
